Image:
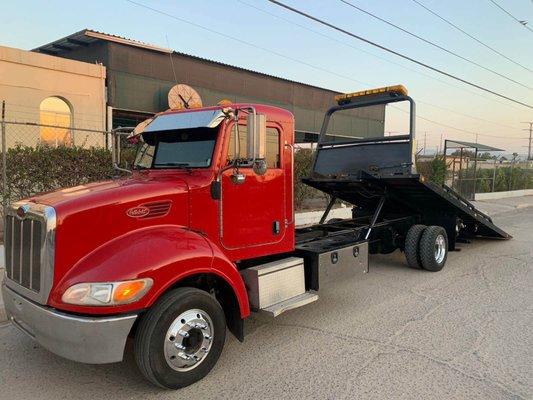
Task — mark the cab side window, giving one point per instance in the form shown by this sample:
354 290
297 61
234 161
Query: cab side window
272 146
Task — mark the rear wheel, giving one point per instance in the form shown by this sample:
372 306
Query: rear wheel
433 248
180 339
412 241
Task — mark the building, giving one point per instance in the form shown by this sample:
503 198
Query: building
66 98
139 76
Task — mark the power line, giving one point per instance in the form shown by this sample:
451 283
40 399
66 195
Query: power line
469 35
320 21
433 44
382 58
277 54
523 23
393 63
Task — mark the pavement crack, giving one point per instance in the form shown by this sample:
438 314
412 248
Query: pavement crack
333 333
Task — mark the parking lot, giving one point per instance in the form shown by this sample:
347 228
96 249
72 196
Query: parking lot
465 332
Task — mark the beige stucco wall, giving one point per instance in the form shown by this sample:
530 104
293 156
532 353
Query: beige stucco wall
27 78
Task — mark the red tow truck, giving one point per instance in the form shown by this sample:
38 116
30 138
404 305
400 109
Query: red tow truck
203 232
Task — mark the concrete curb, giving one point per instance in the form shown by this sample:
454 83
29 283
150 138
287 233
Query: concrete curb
313 217
503 195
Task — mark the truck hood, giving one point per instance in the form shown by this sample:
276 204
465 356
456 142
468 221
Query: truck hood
117 194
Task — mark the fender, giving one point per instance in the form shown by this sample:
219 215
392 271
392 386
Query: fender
165 253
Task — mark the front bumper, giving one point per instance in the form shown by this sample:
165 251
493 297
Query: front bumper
91 340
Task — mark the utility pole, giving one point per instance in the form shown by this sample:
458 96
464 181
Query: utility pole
425 136
530 134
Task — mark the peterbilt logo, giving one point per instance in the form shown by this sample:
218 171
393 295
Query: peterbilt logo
23 210
138 212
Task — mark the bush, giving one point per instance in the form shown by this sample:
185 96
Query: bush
438 170
434 170
32 170
303 161
506 178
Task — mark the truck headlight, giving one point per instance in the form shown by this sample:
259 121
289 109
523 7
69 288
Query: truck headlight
107 293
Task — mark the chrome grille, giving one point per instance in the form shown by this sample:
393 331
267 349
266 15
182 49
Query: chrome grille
23 244
30 250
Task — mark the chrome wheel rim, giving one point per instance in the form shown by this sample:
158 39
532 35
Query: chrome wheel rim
188 340
440 249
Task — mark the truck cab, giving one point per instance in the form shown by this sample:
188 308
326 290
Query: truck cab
202 198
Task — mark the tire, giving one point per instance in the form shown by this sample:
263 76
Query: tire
433 248
411 248
180 312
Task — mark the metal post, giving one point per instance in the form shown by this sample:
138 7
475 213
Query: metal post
109 128
494 174
375 216
475 172
4 159
459 175
328 209
511 175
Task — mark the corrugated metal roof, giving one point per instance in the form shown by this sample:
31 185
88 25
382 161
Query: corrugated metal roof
478 146
86 37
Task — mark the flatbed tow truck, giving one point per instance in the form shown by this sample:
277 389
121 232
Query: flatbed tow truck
203 233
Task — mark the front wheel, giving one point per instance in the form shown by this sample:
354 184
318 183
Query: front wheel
180 339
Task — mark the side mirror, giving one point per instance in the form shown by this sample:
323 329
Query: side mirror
256 138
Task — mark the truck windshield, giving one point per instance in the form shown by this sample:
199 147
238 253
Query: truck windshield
179 148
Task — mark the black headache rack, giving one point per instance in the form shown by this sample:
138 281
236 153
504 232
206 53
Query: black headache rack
379 178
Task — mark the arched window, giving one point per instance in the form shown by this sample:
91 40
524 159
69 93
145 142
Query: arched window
57 114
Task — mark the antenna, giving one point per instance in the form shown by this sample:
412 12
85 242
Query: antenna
171 60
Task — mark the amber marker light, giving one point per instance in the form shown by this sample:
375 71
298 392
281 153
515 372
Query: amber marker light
127 292
347 97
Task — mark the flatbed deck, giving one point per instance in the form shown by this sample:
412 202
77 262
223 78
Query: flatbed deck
409 194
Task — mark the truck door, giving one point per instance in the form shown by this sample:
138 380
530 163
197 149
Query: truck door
253 212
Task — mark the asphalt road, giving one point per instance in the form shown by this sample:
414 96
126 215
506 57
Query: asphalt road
463 333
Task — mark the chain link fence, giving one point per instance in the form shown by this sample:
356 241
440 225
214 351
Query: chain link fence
39 157
491 175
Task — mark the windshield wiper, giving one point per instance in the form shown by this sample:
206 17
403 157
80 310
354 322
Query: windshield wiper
173 164
185 166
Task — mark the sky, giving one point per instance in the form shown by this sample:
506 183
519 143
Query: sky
261 36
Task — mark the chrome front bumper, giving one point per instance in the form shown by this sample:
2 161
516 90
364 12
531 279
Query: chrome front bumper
91 340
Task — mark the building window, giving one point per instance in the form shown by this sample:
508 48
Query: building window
272 146
55 116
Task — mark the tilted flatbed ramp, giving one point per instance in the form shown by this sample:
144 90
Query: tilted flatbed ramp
407 194
378 174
